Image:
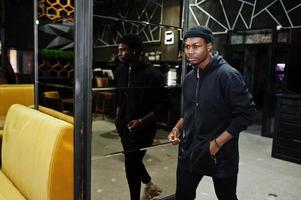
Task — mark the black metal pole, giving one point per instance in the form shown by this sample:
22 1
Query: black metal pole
185 23
36 53
83 99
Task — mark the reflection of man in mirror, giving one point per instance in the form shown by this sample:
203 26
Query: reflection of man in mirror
140 100
217 106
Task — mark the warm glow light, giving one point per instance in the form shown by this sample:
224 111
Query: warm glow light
13 59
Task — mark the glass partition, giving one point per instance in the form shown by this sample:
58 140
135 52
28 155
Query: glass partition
121 129
160 32
56 55
108 134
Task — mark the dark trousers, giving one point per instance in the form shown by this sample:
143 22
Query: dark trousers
225 188
135 172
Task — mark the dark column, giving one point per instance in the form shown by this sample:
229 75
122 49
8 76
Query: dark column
36 53
83 98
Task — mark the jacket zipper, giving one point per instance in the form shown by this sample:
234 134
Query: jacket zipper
196 106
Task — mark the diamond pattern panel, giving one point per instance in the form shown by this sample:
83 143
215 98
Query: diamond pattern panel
131 16
224 15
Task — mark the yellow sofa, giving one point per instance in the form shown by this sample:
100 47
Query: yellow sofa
11 94
57 114
15 93
37 156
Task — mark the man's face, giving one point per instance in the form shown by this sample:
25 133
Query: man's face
123 52
196 50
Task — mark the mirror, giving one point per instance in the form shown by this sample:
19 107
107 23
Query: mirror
118 150
56 55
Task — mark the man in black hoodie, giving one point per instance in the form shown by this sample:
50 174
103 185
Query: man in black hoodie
217 106
140 100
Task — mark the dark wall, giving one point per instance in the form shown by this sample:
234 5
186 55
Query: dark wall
19 24
294 62
171 16
0 12
220 44
103 54
227 15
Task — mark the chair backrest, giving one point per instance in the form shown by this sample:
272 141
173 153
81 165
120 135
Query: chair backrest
51 94
37 154
102 82
52 100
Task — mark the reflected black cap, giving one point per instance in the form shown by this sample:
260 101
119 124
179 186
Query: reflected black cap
199 31
133 41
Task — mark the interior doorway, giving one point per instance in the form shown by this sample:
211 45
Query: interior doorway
253 62
256 66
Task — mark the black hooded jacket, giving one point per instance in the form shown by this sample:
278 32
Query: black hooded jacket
217 101
140 91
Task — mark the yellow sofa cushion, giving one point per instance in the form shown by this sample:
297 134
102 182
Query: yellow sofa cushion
37 154
7 190
56 114
15 93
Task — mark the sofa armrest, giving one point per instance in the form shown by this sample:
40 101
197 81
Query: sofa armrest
1 135
37 154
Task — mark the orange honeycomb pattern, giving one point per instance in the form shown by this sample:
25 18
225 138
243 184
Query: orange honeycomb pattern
57 10
56 68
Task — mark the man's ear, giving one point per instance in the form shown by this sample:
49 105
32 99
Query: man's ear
209 46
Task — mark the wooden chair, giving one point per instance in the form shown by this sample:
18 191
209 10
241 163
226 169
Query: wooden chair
104 100
52 99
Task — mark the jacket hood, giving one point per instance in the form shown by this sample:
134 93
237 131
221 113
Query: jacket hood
216 61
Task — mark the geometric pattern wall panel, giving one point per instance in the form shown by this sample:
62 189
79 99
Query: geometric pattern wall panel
141 17
56 36
56 68
57 11
224 15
